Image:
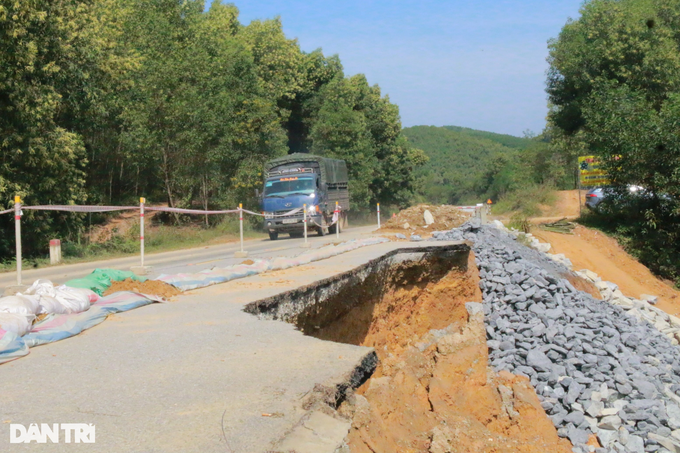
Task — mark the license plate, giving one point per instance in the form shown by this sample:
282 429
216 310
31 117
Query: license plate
290 221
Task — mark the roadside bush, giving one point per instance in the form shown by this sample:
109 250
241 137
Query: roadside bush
525 201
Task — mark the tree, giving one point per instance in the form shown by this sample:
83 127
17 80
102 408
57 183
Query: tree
353 122
48 56
614 84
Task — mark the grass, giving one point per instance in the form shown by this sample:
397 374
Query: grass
159 238
525 202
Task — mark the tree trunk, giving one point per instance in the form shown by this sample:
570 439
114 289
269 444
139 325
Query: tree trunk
166 172
205 198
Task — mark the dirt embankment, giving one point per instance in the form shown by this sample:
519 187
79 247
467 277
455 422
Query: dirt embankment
593 250
412 220
566 205
152 287
433 391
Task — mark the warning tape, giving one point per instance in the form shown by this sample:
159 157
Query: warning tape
187 211
74 208
294 211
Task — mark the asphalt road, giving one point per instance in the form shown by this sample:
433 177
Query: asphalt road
196 374
187 260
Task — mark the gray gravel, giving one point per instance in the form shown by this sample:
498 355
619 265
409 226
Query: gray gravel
596 369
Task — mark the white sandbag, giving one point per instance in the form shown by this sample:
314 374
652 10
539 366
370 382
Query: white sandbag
19 304
72 298
59 300
16 323
91 295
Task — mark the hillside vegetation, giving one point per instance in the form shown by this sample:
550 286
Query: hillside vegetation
104 101
506 140
468 166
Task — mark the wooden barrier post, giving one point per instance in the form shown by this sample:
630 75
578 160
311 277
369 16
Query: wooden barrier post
378 215
242 253
305 245
17 235
337 221
141 269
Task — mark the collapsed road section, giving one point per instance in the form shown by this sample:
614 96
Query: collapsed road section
432 390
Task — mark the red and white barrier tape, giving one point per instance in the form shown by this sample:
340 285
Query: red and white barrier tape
294 211
187 211
74 208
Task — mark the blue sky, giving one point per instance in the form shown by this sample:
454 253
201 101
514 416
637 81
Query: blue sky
478 63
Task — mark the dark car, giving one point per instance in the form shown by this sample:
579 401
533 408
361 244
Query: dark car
594 197
597 195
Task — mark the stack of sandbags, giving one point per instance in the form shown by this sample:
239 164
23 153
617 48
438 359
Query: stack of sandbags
17 313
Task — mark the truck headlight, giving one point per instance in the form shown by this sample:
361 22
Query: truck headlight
268 215
312 209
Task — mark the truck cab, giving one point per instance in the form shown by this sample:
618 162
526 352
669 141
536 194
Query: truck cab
304 181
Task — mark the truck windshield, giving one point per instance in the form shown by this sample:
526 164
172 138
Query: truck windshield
289 185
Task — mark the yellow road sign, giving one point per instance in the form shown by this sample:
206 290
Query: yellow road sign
591 173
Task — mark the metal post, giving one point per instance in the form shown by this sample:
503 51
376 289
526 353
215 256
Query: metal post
378 215
579 195
240 223
141 229
141 269
337 221
242 253
17 230
304 224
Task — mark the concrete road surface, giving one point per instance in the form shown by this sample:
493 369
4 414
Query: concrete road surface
187 260
194 375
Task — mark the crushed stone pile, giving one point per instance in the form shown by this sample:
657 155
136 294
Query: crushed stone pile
597 369
413 219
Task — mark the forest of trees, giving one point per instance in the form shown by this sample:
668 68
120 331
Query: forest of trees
614 89
104 101
468 166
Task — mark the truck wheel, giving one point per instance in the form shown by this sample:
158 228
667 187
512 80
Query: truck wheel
331 229
322 231
273 236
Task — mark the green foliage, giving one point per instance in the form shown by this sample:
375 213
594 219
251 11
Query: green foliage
525 201
467 166
104 101
509 141
614 83
352 121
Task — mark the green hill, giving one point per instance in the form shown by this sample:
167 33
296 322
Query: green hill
506 140
460 161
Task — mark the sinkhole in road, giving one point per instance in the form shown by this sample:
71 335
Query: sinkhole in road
387 303
428 386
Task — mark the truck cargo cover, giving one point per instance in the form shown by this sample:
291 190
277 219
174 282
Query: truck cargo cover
333 171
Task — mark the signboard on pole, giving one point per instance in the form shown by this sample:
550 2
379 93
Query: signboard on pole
590 172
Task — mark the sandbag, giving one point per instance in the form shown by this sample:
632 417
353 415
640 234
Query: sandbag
62 300
16 323
19 304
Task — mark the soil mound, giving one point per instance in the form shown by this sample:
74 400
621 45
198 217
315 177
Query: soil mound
433 390
152 287
413 219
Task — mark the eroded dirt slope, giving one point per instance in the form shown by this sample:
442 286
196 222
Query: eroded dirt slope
593 250
433 390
